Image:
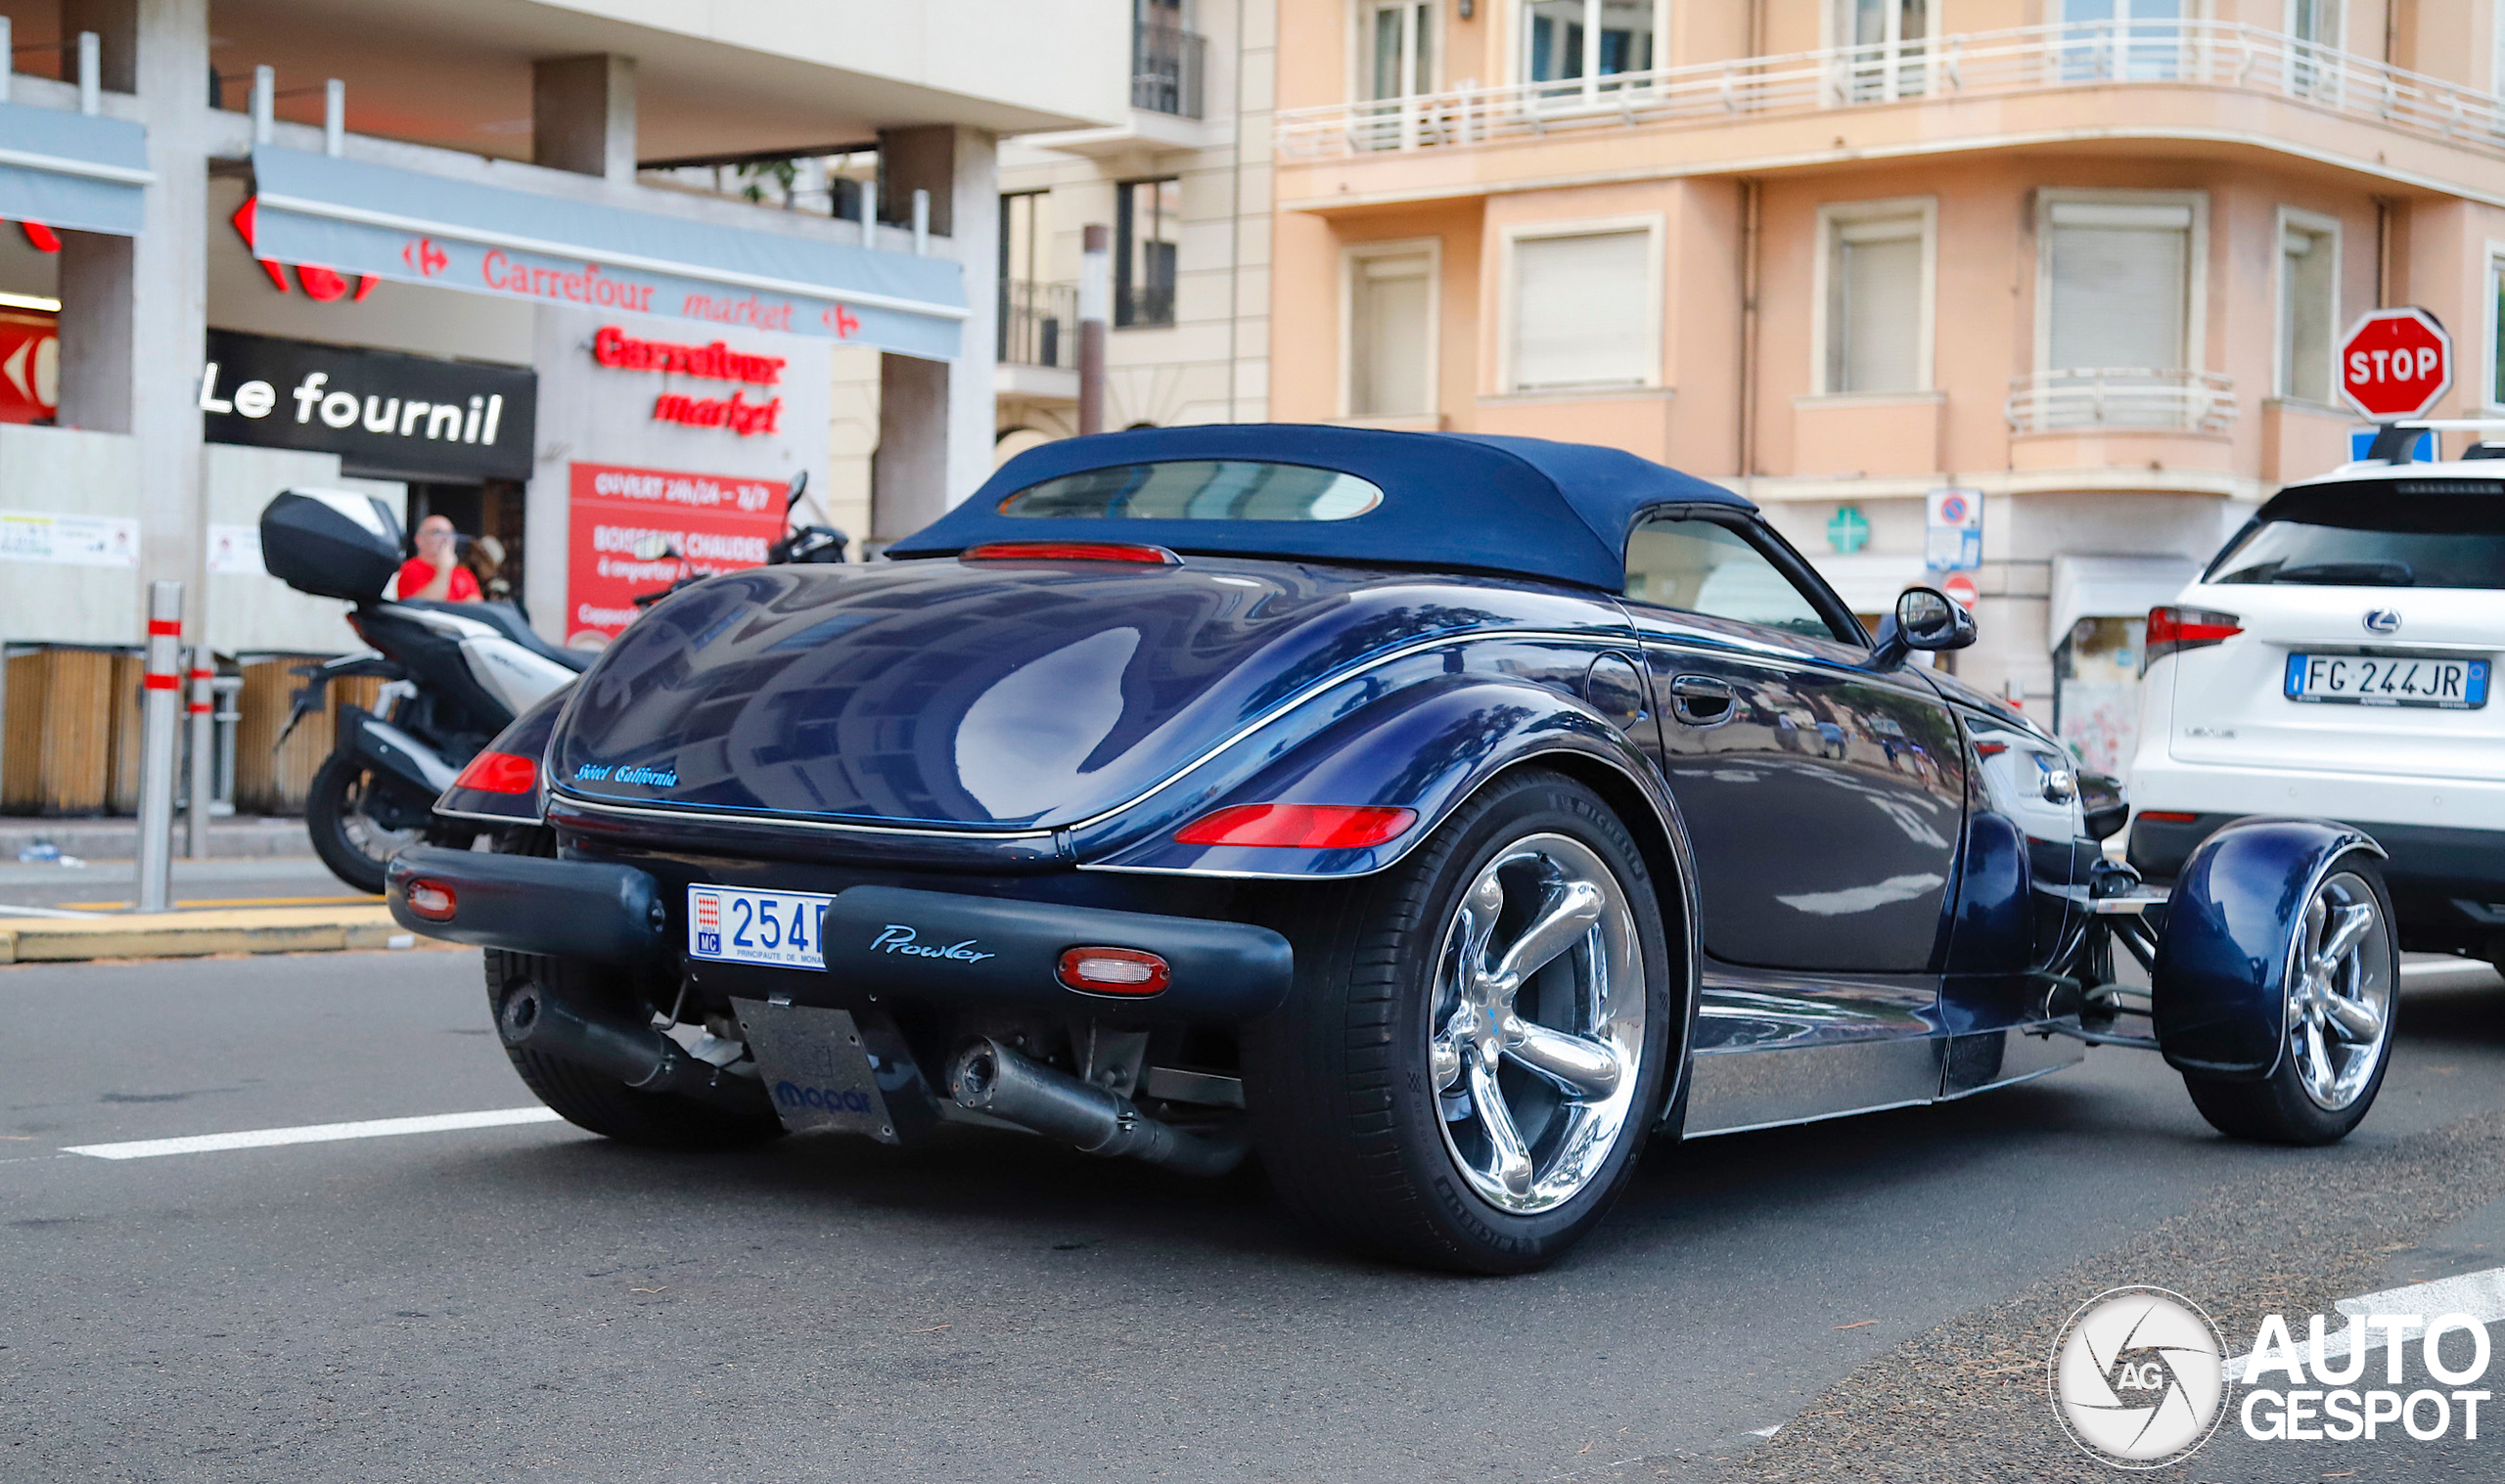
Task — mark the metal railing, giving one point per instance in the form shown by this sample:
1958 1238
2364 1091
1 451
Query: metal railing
2203 54
1038 322
2104 398
1169 69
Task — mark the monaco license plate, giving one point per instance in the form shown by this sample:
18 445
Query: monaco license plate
737 926
2389 680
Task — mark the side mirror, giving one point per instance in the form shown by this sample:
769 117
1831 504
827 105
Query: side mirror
1925 618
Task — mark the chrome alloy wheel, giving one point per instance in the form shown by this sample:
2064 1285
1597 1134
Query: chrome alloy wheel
2339 989
1538 1027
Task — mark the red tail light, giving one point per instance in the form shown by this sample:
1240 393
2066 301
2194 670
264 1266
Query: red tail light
1115 972
2169 816
2174 629
431 900
499 773
1071 550
1297 827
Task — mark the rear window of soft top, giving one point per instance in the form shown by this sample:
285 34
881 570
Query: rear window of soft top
1198 489
2398 532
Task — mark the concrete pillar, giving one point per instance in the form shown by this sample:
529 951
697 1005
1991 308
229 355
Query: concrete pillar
134 311
930 468
582 114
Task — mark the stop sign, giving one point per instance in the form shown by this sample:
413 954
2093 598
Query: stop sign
2396 362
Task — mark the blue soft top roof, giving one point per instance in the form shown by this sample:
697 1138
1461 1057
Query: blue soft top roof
1478 501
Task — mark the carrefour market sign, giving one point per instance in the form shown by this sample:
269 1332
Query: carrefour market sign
355 217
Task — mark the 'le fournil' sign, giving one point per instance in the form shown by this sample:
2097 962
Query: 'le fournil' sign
379 412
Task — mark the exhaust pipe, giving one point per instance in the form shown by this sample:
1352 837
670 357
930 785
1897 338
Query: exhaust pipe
535 1019
990 1078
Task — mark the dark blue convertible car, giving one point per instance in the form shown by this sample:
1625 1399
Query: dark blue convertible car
1438 817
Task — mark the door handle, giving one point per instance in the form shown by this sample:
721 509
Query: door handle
1701 700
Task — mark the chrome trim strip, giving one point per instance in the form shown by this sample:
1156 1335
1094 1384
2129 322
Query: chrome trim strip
784 821
507 820
1599 639
1787 1124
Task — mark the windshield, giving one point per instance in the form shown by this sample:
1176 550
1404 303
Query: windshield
1198 489
2372 534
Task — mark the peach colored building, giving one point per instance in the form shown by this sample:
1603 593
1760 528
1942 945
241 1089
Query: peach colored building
2086 259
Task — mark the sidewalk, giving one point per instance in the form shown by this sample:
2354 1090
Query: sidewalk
193 934
117 839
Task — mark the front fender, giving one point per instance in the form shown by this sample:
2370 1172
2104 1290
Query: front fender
1425 748
2220 979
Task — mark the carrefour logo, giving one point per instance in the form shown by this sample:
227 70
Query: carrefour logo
825 1099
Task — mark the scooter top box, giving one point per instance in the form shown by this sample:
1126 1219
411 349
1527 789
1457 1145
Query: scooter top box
332 543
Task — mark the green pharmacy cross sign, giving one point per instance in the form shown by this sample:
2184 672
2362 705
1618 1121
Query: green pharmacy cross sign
1850 530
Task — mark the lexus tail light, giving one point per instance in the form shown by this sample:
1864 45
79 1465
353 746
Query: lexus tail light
2172 630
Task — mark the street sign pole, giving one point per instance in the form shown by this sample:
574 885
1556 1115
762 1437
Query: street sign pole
203 749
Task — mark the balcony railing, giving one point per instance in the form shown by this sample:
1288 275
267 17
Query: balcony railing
2033 59
1038 324
1168 69
2104 400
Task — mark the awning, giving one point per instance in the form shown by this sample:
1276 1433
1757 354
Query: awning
2112 587
355 217
1868 582
71 170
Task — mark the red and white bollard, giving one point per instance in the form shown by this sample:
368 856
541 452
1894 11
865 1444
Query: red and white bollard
158 733
204 751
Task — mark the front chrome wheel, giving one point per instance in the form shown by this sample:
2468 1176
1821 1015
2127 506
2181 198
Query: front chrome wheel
2339 989
1536 1034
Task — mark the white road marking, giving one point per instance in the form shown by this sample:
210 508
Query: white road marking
2480 1295
316 1133
8 911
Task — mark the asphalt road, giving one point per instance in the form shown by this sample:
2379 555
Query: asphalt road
109 885
527 1301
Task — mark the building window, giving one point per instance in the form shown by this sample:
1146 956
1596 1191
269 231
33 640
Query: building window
2139 39
1886 39
1144 231
1877 297
2314 62
1390 354
1584 309
2308 304
1581 43
2497 332
2118 285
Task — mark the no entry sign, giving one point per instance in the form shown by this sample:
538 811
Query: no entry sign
2395 364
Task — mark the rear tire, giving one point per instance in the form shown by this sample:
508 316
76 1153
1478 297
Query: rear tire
1367 1088
2328 1074
356 847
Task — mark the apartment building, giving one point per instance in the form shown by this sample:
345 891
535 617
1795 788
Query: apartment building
1188 213
2085 258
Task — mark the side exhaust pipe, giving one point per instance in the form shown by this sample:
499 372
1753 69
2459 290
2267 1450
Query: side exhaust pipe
990 1078
535 1019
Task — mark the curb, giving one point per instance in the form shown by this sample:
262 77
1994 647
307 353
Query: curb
196 935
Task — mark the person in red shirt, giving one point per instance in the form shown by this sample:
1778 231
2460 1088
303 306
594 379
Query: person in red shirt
432 573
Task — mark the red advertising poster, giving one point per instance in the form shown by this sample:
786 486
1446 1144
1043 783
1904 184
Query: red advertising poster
29 366
620 516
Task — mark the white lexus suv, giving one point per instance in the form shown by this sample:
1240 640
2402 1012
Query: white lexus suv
2338 660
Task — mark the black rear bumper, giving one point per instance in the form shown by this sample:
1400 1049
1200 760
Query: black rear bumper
1009 954
2447 885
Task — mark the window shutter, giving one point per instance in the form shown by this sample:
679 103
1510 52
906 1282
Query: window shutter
2119 282
1875 313
1580 311
1390 297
